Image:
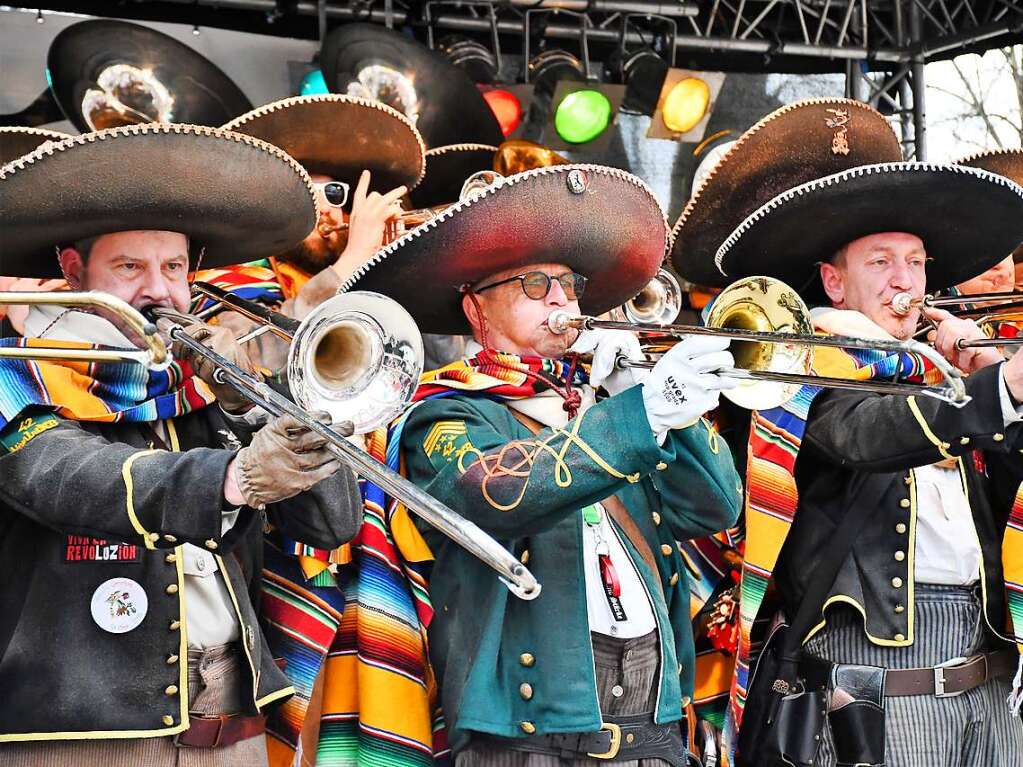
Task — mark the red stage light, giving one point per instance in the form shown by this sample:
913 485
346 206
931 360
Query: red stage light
506 109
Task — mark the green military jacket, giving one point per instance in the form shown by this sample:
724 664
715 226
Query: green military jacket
507 666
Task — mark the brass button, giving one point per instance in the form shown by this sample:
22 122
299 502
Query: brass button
170 538
900 528
686 700
172 589
998 437
657 518
172 659
908 480
900 555
170 559
673 579
904 503
630 738
899 609
172 689
527 727
680 669
524 557
662 466
897 583
168 719
211 544
174 625
964 441
526 691
900 638
618 691
527 659
154 537
666 549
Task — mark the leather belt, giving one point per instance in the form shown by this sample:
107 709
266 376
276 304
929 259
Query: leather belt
622 738
952 678
206 731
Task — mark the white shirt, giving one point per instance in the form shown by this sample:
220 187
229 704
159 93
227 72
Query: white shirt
210 619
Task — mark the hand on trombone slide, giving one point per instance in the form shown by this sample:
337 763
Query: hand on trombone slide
952 337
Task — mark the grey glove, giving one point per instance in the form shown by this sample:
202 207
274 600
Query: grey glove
222 341
284 459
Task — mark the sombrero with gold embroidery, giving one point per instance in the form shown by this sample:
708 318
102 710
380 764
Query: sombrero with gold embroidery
968 219
340 136
16 141
601 222
792 145
237 198
1004 162
447 168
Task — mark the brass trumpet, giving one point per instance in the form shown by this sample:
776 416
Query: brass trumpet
774 350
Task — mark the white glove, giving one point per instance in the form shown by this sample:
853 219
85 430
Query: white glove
606 346
681 387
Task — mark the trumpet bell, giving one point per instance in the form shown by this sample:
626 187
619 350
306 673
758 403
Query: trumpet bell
357 356
659 302
764 304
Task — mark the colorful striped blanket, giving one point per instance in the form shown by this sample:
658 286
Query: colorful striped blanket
96 391
360 613
772 500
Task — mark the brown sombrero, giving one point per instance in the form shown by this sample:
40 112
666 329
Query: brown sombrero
16 141
1004 162
602 222
237 198
968 219
144 67
447 168
340 136
792 145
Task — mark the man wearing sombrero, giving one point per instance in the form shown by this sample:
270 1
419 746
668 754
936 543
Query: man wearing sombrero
133 514
897 559
593 494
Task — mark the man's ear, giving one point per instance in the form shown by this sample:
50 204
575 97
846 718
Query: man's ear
73 267
471 313
834 283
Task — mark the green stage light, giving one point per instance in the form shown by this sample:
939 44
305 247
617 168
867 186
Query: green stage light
582 116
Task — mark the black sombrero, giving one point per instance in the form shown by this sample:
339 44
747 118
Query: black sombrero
1004 162
237 198
16 141
447 168
370 60
968 219
602 222
106 73
792 145
340 136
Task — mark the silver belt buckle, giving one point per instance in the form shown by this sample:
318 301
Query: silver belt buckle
939 677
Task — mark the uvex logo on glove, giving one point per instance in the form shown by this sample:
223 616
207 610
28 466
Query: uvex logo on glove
672 392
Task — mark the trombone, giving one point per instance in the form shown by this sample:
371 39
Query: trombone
358 356
152 355
903 303
772 325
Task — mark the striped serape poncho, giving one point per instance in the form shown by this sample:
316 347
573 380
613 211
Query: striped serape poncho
358 615
772 499
254 281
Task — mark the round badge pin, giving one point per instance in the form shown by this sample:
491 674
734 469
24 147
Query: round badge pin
119 605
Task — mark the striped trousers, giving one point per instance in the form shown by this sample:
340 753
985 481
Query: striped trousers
627 678
975 729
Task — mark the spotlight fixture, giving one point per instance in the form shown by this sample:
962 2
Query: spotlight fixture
471 56
582 115
506 108
685 105
313 83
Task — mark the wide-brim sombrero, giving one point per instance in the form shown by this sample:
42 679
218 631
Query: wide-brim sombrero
968 220
447 168
447 108
16 141
791 146
202 94
1004 162
237 198
340 136
601 222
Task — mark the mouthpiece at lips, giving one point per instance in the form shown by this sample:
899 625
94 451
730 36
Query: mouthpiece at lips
559 322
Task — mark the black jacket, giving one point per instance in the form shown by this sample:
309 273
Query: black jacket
857 442
60 673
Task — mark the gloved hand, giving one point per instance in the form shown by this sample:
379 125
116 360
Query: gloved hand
283 459
222 341
606 345
681 387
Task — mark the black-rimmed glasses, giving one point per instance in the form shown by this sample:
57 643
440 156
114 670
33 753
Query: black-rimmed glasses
536 285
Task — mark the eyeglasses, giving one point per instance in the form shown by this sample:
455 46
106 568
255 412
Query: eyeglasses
536 285
336 192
